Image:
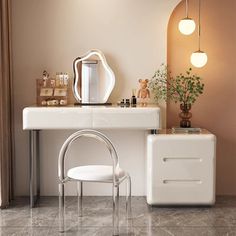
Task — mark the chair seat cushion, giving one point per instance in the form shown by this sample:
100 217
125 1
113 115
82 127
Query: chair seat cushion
94 173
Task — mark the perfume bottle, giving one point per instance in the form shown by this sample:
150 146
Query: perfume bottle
133 98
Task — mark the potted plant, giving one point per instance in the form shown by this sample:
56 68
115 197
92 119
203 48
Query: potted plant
184 88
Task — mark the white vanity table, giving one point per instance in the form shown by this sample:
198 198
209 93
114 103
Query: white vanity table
36 119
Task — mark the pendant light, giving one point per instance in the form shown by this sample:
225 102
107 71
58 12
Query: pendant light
187 25
199 58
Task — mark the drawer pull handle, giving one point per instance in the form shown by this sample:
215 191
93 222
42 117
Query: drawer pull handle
182 181
195 159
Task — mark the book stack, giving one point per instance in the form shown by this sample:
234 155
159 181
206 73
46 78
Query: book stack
186 130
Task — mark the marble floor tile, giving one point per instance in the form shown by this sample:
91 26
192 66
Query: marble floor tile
11 231
185 231
43 220
36 231
149 231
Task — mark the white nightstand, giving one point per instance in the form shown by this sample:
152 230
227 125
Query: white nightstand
181 168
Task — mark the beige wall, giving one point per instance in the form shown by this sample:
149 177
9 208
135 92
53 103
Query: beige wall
216 108
50 34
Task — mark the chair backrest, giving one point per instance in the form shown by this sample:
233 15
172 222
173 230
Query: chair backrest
87 133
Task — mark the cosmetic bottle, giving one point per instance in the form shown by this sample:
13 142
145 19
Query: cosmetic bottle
66 79
61 79
133 98
122 103
127 102
57 80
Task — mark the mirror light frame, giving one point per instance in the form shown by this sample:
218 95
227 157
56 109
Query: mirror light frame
111 74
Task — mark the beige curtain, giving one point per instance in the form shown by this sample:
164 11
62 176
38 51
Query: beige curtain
6 108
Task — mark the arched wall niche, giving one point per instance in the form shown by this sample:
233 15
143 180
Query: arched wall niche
214 110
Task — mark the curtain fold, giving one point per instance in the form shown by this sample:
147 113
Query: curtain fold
6 107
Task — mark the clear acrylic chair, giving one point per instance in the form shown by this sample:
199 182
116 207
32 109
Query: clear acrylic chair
92 173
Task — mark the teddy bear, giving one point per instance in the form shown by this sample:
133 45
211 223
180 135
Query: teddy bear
143 92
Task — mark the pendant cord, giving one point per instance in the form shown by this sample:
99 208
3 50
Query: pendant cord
186 9
199 24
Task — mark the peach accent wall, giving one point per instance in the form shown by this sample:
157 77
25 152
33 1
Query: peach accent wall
216 108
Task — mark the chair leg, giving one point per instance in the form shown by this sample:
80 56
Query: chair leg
115 215
61 207
128 197
80 197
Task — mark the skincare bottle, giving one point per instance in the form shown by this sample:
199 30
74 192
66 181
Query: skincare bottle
133 98
45 78
61 78
66 79
127 102
122 103
57 80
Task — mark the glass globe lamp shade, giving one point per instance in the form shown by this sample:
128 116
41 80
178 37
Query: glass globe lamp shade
187 26
199 59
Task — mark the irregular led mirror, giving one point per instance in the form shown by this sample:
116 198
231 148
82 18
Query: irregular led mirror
93 78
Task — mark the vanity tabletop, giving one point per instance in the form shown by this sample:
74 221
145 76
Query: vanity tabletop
99 117
184 132
138 106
